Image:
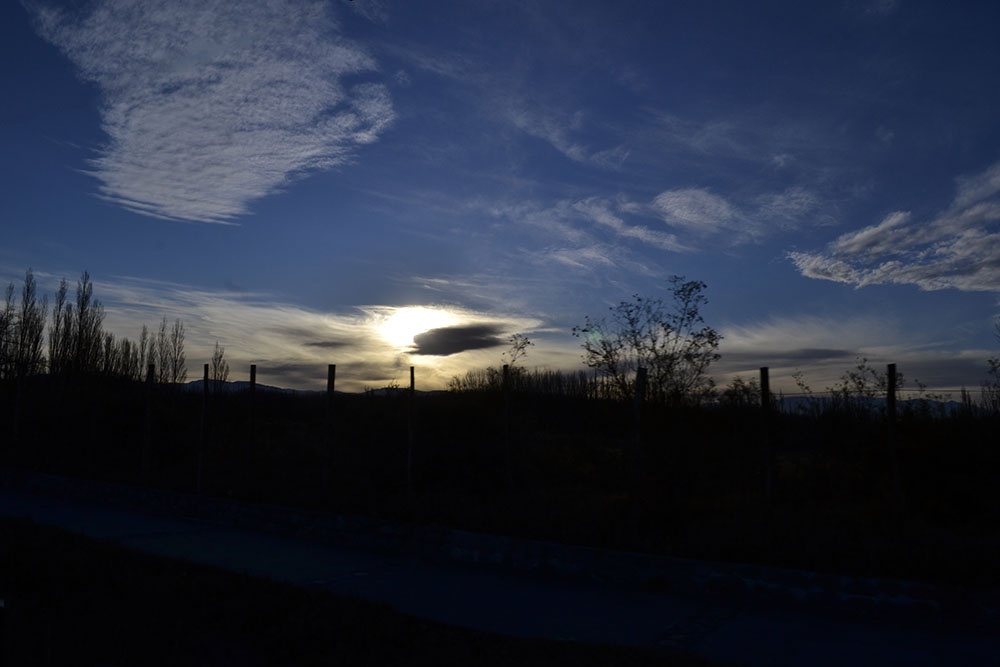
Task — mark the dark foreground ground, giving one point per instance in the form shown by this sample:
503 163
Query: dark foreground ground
74 600
830 489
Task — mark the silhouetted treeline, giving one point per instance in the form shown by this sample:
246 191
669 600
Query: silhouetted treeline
78 345
22 330
861 390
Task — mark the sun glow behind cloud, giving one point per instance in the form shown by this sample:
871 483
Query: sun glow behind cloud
371 345
404 324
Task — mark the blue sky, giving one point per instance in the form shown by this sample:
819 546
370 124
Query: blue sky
288 176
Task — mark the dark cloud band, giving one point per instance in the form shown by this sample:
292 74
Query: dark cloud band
452 340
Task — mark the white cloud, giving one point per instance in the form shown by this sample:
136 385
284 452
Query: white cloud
977 188
210 105
612 158
884 237
781 160
572 229
788 209
696 210
559 131
373 10
881 7
555 131
402 78
712 138
575 234
957 249
599 211
740 147
587 258
452 65
823 268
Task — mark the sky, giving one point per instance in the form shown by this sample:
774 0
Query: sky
381 184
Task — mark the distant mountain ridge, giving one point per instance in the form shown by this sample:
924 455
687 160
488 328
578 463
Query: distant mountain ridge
242 385
808 404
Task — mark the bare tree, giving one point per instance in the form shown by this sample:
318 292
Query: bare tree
864 381
120 358
178 364
161 352
668 340
22 331
166 350
741 393
220 367
29 357
76 337
87 326
110 363
991 386
518 349
7 322
145 352
60 331
30 330
127 354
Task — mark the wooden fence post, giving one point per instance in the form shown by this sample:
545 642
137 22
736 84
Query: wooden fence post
634 453
890 409
890 398
331 377
202 436
766 416
506 427
16 425
251 440
409 437
253 395
147 435
637 401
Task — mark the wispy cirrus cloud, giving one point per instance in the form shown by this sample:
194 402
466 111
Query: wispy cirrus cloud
585 235
957 249
714 137
375 11
880 8
809 149
599 232
789 209
209 105
601 212
696 209
584 258
562 133
701 213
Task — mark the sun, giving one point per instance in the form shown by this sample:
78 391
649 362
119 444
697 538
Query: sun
404 324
